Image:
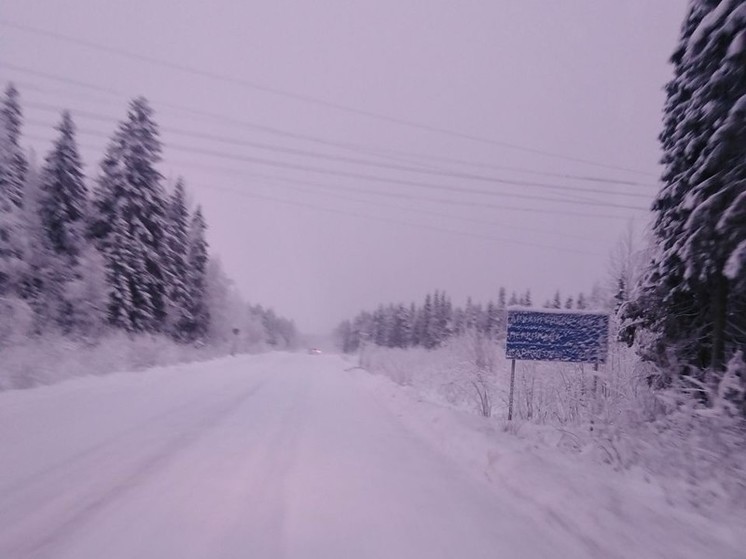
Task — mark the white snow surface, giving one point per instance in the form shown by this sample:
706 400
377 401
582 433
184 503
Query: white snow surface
297 456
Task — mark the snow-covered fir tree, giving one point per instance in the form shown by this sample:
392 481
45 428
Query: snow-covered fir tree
380 334
501 301
63 199
689 299
493 320
177 253
44 275
526 300
12 178
197 260
110 187
15 165
120 275
400 327
557 301
130 190
424 318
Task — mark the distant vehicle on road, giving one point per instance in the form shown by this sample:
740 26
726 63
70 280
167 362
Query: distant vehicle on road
314 351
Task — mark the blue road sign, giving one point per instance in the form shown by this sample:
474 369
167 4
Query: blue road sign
579 337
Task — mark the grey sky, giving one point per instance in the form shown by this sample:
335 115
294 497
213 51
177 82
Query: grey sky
580 78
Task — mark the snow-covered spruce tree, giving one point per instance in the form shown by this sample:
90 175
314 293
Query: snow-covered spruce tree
197 259
408 325
110 187
13 168
66 276
427 323
493 321
120 275
177 251
557 301
63 200
470 315
41 283
526 300
130 190
690 301
445 318
11 222
400 327
380 327
13 172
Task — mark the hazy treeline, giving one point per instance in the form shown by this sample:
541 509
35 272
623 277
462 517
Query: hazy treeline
119 251
436 320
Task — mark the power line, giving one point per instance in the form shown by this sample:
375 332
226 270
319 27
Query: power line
375 151
351 160
371 178
589 178
301 97
314 189
245 193
397 195
401 182
405 196
242 192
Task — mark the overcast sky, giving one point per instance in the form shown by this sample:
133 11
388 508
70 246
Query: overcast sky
469 129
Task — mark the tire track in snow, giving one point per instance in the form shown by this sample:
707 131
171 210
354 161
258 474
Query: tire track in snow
32 542
110 442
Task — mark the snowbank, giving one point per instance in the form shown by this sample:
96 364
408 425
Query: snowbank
47 360
697 458
618 513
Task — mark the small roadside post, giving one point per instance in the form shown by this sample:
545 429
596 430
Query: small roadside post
235 341
555 335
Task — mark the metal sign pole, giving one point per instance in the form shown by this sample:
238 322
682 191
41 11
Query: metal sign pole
594 405
512 388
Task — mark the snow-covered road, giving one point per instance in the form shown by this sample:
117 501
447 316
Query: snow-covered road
276 456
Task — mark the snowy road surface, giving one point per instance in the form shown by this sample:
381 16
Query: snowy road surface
276 456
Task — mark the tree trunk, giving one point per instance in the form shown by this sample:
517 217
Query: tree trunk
719 301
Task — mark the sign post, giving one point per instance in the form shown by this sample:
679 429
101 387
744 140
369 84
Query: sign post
512 389
555 335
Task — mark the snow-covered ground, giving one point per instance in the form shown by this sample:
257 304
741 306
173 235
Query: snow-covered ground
293 456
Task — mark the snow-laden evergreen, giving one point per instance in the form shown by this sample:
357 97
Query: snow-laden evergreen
76 270
197 311
14 167
64 197
11 233
692 300
177 247
130 195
